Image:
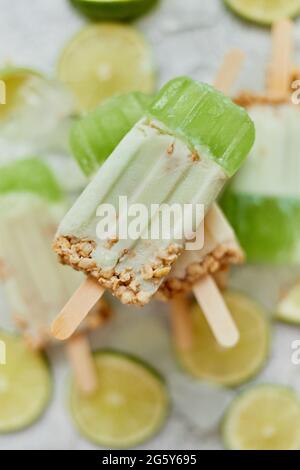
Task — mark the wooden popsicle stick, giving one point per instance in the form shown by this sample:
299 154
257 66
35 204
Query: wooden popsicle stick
278 79
80 357
216 312
229 70
182 323
78 307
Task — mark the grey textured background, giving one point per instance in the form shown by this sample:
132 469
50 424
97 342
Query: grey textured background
189 37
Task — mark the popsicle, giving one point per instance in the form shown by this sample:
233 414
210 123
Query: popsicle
35 285
191 140
221 247
92 141
263 200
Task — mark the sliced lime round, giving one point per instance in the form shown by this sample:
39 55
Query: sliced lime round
14 79
206 360
288 309
265 11
106 59
266 417
25 384
130 405
113 9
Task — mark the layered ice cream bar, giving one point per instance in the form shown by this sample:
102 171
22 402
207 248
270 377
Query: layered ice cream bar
92 138
263 200
36 286
191 140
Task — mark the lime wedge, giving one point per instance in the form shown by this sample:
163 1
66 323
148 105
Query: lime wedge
266 417
14 79
130 406
288 309
265 11
25 385
208 361
113 9
106 59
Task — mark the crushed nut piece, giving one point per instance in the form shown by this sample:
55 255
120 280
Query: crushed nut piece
170 149
161 272
147 272
195 157
87 264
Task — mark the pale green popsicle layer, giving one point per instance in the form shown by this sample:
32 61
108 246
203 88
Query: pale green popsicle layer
263 200
36 285
153 165
96 135
29 175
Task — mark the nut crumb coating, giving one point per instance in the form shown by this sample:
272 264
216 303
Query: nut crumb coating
219 260
78 254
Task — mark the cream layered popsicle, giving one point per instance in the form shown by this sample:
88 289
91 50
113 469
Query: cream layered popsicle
91 147
191 140
36 286
263 200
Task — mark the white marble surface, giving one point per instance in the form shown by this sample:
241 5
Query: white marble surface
188 37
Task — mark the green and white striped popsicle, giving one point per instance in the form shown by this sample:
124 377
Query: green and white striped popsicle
263 201
31 204
191 140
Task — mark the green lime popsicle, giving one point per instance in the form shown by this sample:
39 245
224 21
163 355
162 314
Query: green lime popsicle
96 135
188 144
263 201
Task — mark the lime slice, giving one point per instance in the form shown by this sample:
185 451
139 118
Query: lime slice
14 79
265 11
208 361
130 406
266 417
288 309
113 9
106 59
25 385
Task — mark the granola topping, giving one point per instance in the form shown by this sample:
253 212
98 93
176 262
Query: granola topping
78 254
218 261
